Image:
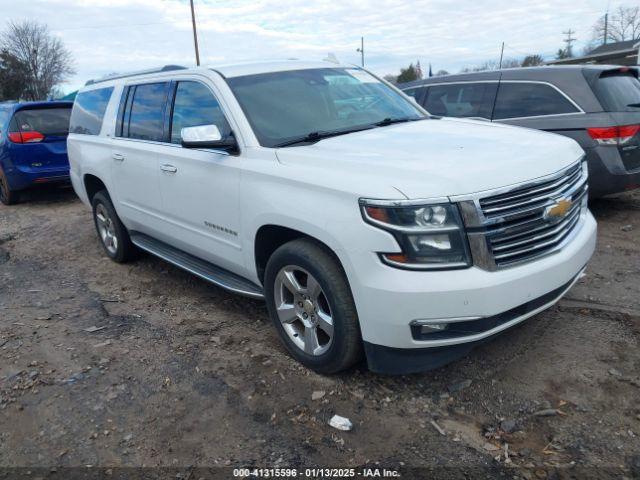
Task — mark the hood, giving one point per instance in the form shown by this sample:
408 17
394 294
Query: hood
434 158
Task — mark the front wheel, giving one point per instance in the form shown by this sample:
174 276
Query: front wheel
311 306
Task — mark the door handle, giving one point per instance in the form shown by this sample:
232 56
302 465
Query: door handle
168 168
118 157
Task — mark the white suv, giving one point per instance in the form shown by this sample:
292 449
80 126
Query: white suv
368 226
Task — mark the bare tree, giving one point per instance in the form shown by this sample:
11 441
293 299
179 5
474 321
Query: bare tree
46 60
623 24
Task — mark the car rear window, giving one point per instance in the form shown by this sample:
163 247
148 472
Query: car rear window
618 92
47 121
519 100
88 111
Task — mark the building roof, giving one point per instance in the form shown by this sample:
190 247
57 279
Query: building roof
614 47
616 53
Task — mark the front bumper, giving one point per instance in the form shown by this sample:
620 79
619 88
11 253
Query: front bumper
400 361
390 300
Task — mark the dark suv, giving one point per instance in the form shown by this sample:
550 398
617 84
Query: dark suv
596 105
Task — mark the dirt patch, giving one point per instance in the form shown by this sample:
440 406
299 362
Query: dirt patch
143 364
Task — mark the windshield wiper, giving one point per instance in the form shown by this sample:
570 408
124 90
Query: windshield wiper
391 121
317 136
634 105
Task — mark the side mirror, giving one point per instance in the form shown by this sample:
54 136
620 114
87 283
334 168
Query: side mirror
207 136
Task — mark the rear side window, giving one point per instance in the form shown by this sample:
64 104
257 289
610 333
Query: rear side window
461 100
145 117
517 100
88 111
619 92
47 121
196 105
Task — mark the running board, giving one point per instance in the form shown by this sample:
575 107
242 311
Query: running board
201 268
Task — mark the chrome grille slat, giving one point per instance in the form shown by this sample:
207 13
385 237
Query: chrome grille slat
553 241
530 226
573 176
563 187
559 227
516 227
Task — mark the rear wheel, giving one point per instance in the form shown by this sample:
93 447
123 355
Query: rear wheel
311 306
113 235
7 196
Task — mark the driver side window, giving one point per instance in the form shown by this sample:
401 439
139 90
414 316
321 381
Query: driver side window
195 105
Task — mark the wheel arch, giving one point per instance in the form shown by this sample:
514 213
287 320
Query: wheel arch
271 236
92 185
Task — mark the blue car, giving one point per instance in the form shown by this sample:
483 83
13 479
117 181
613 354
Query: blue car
33 146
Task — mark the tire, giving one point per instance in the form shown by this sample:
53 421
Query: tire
7 196
113 235
324 353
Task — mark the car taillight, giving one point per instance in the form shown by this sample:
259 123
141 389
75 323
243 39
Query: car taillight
26 137
618 135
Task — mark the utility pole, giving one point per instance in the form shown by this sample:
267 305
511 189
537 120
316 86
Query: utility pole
361 50
195 34
606 27
501 55
569 41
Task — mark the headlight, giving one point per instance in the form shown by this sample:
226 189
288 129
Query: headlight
430 236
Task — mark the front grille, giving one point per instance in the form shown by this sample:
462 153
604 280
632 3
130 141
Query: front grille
517 229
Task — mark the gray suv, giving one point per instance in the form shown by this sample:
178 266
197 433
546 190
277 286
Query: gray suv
596 105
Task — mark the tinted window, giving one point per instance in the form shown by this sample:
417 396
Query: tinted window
195 105
619 92
416 92
461 100
49 121
5 113
529 100
88 111
282 106
147 112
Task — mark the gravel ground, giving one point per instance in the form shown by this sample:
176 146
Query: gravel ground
119 366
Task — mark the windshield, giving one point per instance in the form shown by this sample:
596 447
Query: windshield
282 106
619 92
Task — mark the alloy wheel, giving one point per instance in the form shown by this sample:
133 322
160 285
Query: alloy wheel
106 229
303 310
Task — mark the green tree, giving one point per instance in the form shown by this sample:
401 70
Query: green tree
12 77
532 60
562 53
408 74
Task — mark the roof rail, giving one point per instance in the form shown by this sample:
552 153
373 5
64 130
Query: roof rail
166 68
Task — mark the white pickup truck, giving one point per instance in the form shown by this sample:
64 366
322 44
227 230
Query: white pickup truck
369 227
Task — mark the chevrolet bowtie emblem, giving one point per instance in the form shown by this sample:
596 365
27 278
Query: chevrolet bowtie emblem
558 210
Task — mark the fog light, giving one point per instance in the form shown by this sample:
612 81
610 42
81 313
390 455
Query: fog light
433 328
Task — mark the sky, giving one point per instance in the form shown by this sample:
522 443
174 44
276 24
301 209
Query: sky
107 36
